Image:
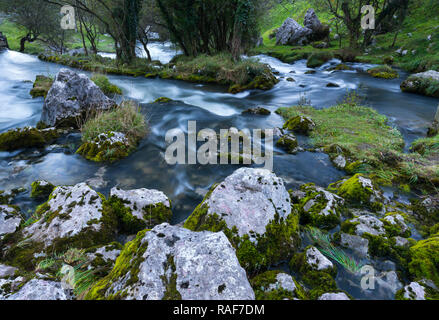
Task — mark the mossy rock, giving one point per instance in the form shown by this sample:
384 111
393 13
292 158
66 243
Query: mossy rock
384 72
257 246
110 148
41 189
41 86
421 85
340 67
277 285
359 191
317 59
27 138
300 124
288 142
421 290
163 100
320 208
315 270
425 259
75 217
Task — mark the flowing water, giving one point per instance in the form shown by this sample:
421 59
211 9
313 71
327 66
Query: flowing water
212 107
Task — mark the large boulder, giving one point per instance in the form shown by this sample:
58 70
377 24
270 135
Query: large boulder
71 96
254 210
73 217
319 30
292 33
3 42
171 262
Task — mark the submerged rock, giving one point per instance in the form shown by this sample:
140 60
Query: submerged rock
258 111
355 243
276 285
288 142
27 137
10 220
37 289
253 208
71 96
141 208
170 262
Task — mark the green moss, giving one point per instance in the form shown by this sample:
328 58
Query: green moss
163 100
105 85
41 86
384 72
427 87
106 152
358 194
397 229
129 224
288 142
320 281
261 286
425 259
171 292
317 59
300 124
41 191
26 138
313 214
128 262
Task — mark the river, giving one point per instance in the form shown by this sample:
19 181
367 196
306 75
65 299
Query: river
212 107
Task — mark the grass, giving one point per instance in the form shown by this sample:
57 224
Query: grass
421 22
105 85
370 145
126 119
222 69
324 244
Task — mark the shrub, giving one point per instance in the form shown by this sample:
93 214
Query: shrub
106 86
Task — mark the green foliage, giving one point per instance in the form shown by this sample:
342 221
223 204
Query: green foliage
425 259
105 85
125 119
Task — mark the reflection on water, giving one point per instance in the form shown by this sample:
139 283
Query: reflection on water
212 107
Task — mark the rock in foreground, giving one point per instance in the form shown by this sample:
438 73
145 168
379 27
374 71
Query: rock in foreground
253 208
170 262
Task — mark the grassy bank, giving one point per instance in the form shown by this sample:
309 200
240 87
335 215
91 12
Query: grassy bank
418 39
220 69
362 137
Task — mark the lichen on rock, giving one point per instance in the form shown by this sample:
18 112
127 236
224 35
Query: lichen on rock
170 263
10 220
253 208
